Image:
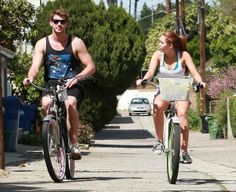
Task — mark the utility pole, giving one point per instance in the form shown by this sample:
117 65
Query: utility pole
168 7
177 17
130 7
135 8
2 158
152 13
202 52
182 16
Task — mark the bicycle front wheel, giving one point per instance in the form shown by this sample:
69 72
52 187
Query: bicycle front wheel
54 150
173 152
70 163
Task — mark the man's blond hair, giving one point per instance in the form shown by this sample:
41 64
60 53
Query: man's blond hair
61 12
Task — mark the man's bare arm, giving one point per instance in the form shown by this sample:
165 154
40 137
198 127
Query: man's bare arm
36 61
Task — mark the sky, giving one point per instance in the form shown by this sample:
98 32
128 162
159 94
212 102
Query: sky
149 3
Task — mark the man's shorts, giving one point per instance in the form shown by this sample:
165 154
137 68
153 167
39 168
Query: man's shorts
76 90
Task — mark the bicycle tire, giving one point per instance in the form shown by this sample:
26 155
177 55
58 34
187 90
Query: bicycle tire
54 150
173 153
70 163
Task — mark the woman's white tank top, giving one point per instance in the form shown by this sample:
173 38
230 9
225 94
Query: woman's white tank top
176 72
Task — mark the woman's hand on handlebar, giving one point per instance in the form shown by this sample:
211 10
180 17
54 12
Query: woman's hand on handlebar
203 84
139 82
199 86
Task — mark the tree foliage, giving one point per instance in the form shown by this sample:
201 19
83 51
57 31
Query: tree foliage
116 44
18 69
228 8
222 37
16 18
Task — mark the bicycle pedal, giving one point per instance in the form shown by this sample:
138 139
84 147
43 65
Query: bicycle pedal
75 156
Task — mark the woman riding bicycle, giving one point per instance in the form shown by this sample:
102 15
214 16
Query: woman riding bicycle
172 59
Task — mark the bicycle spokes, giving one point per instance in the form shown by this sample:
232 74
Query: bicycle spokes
173 152
54 151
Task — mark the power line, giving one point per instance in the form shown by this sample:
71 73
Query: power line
151 15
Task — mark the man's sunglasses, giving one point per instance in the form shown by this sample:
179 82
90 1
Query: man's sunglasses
56 21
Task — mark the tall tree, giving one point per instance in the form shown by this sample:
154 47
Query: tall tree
150 15
145 20
16 20
168 6
112 2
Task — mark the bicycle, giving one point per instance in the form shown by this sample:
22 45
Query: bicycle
171 129
55 137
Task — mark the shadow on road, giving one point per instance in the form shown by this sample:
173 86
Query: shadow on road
122 120
108 134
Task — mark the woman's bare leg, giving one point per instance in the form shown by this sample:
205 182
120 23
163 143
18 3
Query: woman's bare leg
158 116
182 111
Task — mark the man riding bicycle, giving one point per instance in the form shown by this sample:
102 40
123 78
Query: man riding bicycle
61 53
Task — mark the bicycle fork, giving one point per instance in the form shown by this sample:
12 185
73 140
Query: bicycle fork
168 120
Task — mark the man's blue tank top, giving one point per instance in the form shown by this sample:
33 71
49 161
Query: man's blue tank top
59 64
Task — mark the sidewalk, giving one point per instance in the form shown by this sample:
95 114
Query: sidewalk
121 160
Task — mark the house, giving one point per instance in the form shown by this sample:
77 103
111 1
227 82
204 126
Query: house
5 56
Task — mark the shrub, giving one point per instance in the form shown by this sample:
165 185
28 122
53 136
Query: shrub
86 133
194 120
223 81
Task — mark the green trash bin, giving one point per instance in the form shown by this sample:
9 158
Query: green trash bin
213 128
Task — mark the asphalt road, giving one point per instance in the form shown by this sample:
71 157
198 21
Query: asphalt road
121 160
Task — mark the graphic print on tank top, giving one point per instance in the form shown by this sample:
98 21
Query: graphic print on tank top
59 66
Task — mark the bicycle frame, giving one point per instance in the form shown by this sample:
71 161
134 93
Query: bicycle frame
170 115
55 137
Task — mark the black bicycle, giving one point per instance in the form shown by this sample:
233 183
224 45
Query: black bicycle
55 137
172 130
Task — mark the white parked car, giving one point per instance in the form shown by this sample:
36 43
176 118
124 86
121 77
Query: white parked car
140 105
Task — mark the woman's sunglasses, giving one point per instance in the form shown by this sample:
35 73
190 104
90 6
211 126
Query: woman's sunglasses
57 21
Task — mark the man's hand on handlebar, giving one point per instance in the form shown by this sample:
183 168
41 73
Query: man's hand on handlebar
70 82
27 81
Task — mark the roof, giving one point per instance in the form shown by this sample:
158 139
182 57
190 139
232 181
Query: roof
6 52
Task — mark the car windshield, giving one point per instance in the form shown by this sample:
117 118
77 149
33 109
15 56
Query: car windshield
139 101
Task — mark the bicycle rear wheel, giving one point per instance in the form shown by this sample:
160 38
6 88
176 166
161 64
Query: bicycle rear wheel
173 152
54 150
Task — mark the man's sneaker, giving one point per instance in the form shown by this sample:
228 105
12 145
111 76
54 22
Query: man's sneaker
185 158
75 152
158 148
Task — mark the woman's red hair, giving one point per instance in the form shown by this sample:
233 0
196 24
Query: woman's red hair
179 42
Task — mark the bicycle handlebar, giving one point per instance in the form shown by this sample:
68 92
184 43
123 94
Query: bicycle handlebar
196 86
61 83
